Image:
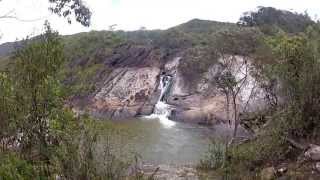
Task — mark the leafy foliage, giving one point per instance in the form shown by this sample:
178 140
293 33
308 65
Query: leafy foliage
78 158
14 168
85 44
66 8
40 137
215 157
298 70
8 112
35 95
287 64
238 41
268 17
85 53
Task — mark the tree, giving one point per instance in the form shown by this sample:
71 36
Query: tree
7 111
38 95
234 69
231 81
297 69
66 8
269 17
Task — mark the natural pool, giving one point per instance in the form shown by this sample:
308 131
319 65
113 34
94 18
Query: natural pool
159 141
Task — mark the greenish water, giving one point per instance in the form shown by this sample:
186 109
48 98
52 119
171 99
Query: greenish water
159 143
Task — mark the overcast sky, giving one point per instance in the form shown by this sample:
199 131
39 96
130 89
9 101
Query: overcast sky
133 14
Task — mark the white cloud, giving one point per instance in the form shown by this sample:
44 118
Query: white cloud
132 14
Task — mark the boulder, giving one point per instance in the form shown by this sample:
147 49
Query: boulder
268 173
313 153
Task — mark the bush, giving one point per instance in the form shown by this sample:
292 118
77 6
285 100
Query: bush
14 168
243 161
78 157
215 156
298 72
265 149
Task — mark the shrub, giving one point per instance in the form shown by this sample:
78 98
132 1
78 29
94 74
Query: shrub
215 156
14 168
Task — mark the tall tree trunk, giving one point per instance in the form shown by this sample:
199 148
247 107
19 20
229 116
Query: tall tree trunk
235 116
228 108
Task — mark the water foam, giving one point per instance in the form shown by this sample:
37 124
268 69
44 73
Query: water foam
162 110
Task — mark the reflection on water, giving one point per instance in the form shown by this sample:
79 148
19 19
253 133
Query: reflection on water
160 143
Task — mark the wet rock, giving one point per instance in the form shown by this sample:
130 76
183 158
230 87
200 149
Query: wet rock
313 153
145 110
268 173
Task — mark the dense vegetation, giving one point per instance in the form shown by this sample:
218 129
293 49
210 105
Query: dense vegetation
287 64
269 19
40 137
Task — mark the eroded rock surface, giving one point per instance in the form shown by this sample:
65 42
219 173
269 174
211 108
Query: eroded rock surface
127 93
131 89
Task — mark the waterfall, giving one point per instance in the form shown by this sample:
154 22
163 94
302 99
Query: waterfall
162 110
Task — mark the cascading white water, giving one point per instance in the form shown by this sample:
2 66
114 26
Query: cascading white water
162 110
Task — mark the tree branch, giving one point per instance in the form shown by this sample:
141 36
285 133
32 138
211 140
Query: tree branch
10 15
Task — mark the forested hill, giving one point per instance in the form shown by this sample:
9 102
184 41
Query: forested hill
199 30
185 35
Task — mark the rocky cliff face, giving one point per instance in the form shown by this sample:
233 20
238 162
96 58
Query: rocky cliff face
208 104
131 89
126 93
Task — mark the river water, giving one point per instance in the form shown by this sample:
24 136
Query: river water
158 140
158 143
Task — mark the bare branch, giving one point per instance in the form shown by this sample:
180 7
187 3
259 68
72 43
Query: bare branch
11 15
250 96
18 19
244 79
